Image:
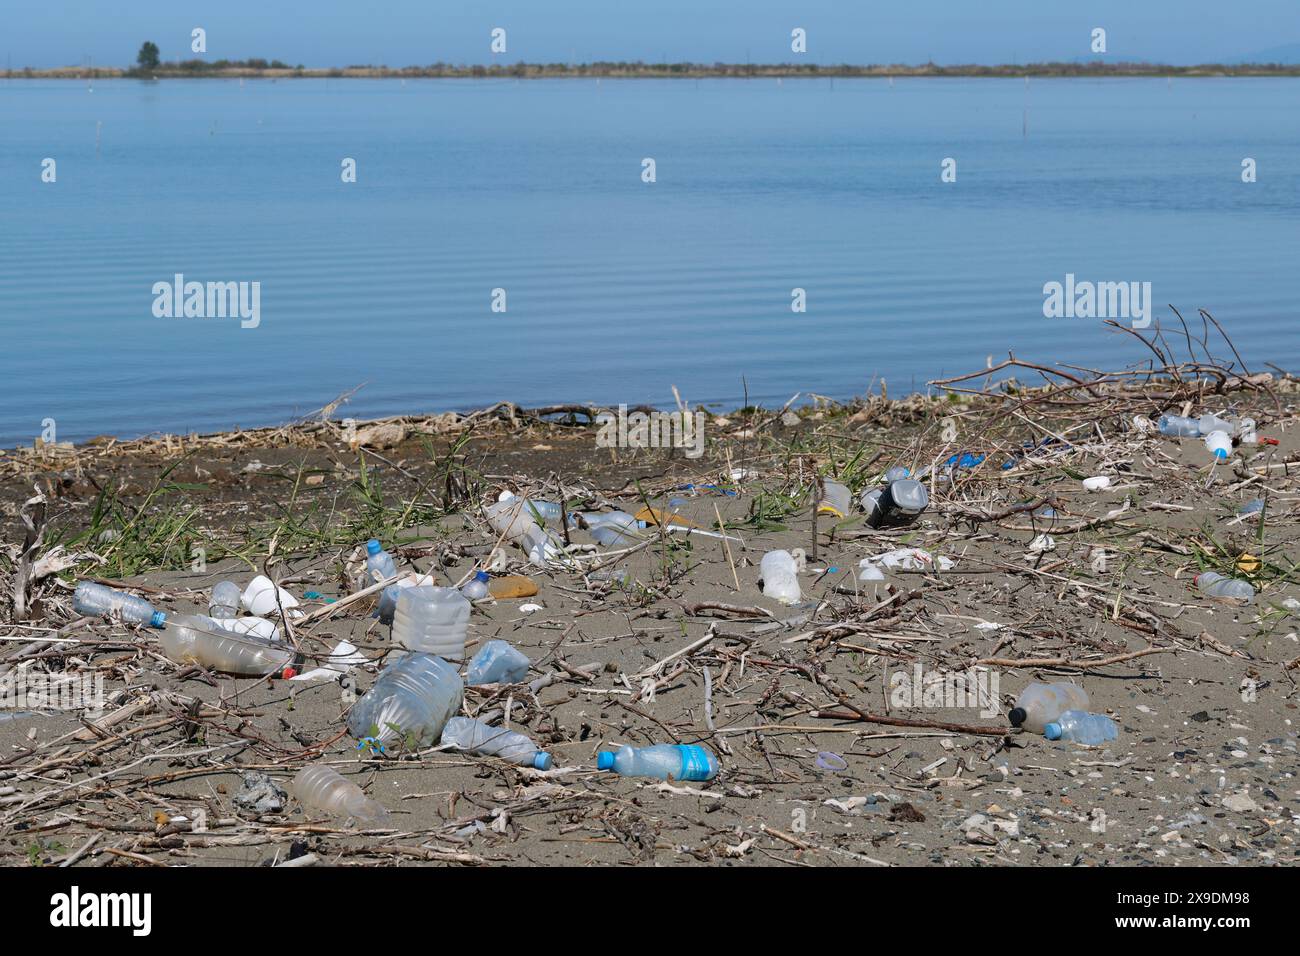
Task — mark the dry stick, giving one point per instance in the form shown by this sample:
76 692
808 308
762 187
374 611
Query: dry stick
1066 662
866 717
726 547
818 492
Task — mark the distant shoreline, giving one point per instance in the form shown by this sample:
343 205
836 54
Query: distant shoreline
196 69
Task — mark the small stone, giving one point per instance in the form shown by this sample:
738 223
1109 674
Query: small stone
260 794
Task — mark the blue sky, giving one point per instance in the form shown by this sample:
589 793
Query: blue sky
404 32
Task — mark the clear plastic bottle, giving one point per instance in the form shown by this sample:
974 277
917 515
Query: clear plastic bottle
474 736
1179 426
899 502
380 565
1211 422
194 639
324 788
225 599
836 499
1215 585
257 626
780 577
1039 704
476 588
497 663
613 529
97 600
662 761
1081 727
432 620
415 696
512 519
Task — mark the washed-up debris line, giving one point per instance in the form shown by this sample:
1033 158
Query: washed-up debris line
1033 617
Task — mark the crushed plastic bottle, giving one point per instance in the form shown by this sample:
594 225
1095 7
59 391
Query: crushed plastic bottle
194 639
256 626
262 597
1039 704
836 499
476 588
1215 585
613 529
662 761
1179 426
324 788
432 620
1081 727
898 503
415 696
98 600
474 736
224 602
780 577
1219 444
516 520
1251 507
497 663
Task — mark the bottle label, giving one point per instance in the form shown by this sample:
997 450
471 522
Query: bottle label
695 763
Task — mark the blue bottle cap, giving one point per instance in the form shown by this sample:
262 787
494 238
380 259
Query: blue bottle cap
373 546
1052 731
541 760
481 576
605 760
158 620
1220 453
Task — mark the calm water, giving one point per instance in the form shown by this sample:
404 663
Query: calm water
616 290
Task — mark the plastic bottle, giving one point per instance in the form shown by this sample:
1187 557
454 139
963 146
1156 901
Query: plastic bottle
262 596
415 696
1219 444
497 663
324 788
662 761
780 577
194 639
1246 433
511 518
1215 585
474 736
1179 426
613 528
476 588
1039 704
380 565
97 600
1211 422
432 620
224 602
896 473
899 502
1081 727
836 499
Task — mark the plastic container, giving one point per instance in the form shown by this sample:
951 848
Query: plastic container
194 639
1215 585
415 696
511 518
432 620
225 600
896 473
837 500
899 502
1081 727
474 736
380 565
1211 422
1219 443
497 663
613 529
325 789
260 597
1179 426
780 577
476 589
662 761
1039 704
256 626
97 600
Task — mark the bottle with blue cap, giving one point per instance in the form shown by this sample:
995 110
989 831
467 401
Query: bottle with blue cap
1219 443
1081 727
474 736
476 588
97 600
662 761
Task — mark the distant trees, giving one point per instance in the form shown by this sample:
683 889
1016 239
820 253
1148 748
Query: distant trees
148 57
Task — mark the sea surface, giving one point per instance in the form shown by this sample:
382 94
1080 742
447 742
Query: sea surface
615 289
